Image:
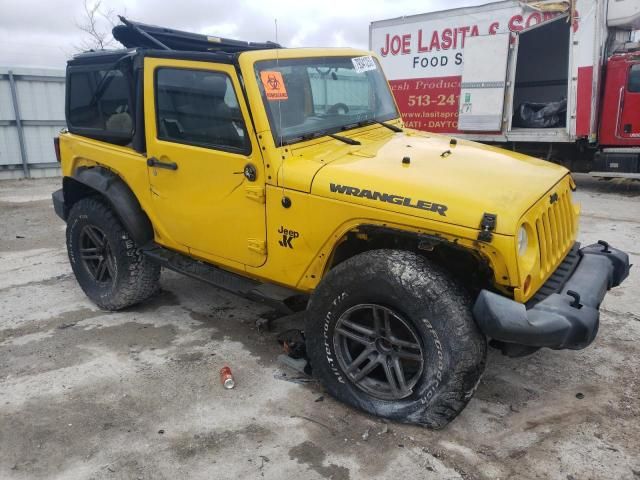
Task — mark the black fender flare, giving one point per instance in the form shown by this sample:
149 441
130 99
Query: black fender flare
89 181
398 239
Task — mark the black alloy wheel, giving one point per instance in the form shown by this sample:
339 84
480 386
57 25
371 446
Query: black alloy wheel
97 255
378 351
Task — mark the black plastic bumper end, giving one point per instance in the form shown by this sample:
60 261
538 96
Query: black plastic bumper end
58 204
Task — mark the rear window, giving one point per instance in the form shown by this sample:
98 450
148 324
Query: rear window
634 78
100 100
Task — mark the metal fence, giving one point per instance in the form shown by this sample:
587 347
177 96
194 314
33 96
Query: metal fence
31 114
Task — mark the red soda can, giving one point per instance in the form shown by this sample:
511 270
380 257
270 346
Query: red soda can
226 378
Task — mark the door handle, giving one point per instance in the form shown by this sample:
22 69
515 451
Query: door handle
154 162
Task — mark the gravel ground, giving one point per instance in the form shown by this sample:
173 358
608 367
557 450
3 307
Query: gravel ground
136 394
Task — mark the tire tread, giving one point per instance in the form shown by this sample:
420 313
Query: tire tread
142 278
415 274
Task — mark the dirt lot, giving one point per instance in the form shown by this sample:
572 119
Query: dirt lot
90 394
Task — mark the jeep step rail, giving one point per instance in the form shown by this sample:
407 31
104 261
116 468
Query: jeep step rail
275 296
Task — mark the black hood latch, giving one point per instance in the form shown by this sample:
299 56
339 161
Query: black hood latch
487 225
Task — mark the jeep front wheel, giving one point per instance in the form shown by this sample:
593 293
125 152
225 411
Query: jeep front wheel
107 263
392 334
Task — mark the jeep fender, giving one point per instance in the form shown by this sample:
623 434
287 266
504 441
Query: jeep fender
357 238
89 181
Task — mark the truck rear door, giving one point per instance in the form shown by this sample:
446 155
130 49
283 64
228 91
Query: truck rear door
483 83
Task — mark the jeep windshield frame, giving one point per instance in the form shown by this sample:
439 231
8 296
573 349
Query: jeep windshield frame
320 96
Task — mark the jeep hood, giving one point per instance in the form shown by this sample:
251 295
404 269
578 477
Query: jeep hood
455 184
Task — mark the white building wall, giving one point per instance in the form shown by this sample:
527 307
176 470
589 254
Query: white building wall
40 101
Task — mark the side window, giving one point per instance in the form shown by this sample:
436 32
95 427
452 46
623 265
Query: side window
100 100
634 78
198 107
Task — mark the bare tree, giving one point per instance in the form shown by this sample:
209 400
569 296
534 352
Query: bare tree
97 22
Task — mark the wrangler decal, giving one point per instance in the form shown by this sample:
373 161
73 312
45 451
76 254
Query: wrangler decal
389 198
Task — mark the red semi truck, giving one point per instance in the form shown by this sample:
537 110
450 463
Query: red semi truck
557 79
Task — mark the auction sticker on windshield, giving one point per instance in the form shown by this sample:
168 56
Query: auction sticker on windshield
363 64
274 85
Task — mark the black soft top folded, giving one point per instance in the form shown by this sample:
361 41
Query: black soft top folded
134 35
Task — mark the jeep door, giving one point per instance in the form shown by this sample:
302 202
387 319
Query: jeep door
205 169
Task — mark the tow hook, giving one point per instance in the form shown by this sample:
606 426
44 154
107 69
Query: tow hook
605 246
576 299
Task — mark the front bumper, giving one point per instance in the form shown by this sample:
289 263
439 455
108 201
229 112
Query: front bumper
568 318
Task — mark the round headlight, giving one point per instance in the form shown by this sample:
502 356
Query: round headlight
523 240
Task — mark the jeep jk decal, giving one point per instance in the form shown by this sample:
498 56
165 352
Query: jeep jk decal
287 237
389 198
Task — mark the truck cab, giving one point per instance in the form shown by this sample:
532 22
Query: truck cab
620 122
619 132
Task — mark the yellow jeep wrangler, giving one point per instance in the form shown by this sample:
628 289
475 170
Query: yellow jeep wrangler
279 173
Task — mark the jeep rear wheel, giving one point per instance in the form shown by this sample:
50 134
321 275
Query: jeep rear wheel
392 334
107 263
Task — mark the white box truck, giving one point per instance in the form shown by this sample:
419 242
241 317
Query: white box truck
558 79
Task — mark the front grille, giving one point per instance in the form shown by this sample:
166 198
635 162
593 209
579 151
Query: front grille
556 226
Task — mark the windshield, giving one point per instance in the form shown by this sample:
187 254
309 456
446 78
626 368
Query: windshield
309 97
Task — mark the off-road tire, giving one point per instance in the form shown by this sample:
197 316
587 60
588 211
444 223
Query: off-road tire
135 277
437 310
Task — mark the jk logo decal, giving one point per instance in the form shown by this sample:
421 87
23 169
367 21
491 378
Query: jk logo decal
287 237
286 241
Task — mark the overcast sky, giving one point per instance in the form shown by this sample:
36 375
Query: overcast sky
44 33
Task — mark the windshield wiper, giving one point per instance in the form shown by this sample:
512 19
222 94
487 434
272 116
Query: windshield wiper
393 128
347 140
312 135
369 121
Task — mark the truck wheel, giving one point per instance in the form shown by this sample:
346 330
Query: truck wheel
110 269
392 334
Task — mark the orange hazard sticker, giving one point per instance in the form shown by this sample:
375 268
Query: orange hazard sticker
274 85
